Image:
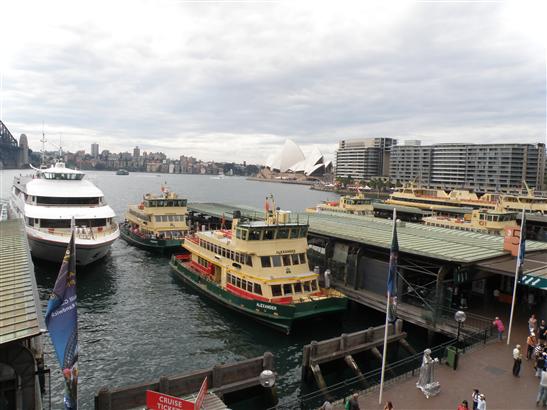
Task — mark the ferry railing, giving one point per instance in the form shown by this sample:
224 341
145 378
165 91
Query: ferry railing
396 372
81 232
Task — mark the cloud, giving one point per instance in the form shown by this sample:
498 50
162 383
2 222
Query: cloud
232 80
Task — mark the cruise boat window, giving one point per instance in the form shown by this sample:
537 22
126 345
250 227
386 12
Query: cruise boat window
282 233
276 290
298 287
295 260
268 234
257 289
254 235
276 260
294 233
265 261
287 289
286 260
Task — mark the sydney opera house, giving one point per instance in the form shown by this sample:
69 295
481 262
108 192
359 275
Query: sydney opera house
291 160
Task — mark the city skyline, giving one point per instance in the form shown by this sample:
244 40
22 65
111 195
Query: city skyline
235 79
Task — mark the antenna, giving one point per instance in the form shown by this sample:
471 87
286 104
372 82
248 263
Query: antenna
60 150
43 141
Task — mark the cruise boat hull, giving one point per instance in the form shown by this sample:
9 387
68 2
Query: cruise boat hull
161 246
278 316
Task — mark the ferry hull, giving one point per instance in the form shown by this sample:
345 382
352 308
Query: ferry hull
161 246
54 251
278 316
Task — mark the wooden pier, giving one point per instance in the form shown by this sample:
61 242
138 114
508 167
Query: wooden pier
347 345
222 379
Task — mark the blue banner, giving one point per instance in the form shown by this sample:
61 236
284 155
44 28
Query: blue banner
62 324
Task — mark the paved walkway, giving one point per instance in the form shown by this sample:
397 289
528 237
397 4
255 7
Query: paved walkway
487 368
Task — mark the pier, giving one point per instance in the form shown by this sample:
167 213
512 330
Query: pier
21 323
222 379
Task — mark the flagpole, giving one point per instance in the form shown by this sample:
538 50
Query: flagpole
386 325
517 267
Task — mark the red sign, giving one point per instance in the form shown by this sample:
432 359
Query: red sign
201 395
160 401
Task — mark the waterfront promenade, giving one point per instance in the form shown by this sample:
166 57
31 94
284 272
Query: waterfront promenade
487 368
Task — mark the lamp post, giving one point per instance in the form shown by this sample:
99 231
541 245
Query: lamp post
459 317
267 380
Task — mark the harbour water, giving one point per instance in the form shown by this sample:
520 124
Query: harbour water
137 322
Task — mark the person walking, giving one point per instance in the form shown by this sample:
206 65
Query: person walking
532 323
326 406
500 327
531 342
482 402
475 395
463 405
542 393
354 402
542 329
540 363
389 406
517 360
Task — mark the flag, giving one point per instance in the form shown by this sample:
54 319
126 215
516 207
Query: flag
392 275
522 245
62 324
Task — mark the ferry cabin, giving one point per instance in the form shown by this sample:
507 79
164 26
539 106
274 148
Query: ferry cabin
485 221
161 216
261 262
358 205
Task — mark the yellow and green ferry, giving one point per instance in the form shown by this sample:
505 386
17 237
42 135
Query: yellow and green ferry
157 224
258 268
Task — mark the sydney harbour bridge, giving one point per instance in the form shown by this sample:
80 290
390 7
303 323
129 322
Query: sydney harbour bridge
12 154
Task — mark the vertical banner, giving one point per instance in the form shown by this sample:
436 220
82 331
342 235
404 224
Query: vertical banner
62 324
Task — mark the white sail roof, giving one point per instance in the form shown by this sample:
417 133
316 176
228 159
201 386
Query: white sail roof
291 159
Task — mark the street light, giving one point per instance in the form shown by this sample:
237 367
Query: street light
459 317
267 378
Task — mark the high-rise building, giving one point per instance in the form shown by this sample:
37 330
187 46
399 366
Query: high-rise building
136 152
363 158
95 150
481 167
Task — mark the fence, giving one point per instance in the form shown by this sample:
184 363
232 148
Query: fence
398 371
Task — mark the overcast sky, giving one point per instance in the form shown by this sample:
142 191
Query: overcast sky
231 80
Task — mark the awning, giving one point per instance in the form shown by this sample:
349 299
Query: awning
536 275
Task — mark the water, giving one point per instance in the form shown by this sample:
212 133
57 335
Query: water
137 322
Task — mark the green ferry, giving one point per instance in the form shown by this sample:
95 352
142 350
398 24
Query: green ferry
259 269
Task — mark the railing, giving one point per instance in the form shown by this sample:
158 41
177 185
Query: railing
83 232
395 372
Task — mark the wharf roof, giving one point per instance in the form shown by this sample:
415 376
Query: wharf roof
20 315
416 239
401 208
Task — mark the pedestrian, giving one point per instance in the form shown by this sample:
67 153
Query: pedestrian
354 402
540 363
475 398
532 323
531 342
481 405
542 393
326 406
347 403
517 360
389 406
500 327
463 405
542 328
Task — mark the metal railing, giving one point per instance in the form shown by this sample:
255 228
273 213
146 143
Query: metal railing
395 372
83 232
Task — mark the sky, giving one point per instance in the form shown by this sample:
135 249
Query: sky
231 80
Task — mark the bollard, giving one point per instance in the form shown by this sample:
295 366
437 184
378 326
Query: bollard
268 361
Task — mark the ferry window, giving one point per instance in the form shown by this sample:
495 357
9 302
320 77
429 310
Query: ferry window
306 286
303 232
229 278
282 233
248 260
276 290
238 282
294 233
223 252
216 249
314 285
258 289
268 234
170 217
238 233
157 218
286 260
297 287
294 258
265 260
276 260
287 289
244 284
169 203
254 235
31 221
243 233
250 286
302 257
237 257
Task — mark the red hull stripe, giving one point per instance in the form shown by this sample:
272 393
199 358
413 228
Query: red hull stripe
244 294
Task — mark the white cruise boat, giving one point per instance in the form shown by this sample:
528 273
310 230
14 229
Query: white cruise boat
48 200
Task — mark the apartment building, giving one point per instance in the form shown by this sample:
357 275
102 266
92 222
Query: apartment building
364 158
480 167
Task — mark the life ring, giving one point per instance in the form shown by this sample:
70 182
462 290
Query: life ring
482 223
